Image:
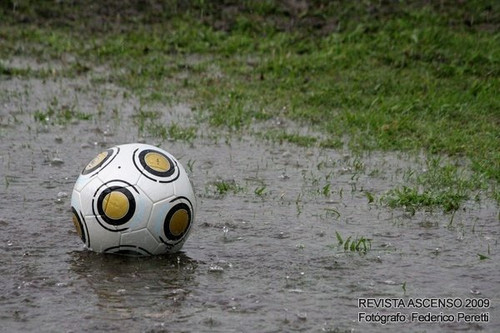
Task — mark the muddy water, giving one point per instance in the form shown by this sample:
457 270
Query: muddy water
262 258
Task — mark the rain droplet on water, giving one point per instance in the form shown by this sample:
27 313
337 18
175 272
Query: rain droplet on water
56 161
62 194
214 268
60 197
302 315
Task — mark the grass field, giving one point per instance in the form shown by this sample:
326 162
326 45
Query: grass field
412 76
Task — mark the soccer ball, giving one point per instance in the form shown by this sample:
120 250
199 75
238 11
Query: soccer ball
133 199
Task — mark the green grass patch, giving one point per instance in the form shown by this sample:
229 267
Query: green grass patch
412 198
223 187
442 185
173 132
357 244
149 123
59 114
406 76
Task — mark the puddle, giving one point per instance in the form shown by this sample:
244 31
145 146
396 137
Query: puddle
263 256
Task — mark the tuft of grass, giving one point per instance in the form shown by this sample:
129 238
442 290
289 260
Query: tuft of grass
223 187
172 132
190 165
150 123
326 190
143 117
370 197
482 256
442 185
59 114
358 244
412 198
260 191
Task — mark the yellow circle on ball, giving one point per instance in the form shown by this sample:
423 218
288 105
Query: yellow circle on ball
179 222
115 205
77 225
157 162
98 159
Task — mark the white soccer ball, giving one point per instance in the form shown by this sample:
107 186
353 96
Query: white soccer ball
133 199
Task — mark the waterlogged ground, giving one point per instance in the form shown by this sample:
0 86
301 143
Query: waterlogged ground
268 251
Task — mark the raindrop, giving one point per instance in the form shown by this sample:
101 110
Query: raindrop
436 251
60 197
225 264
56 161
298 291
302 315
215 268
281 235
475 291
284 176
107 132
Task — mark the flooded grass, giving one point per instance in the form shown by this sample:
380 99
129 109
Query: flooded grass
336 153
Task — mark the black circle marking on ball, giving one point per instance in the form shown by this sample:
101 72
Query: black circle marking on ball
96 215
83 226
128 215
142 159
183 198
173 170
166 222
110 157
86 228
171 245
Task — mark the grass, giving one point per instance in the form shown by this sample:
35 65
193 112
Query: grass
413 198
358 244
223 187
149 123
59 114
172 132
405 76
441 185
